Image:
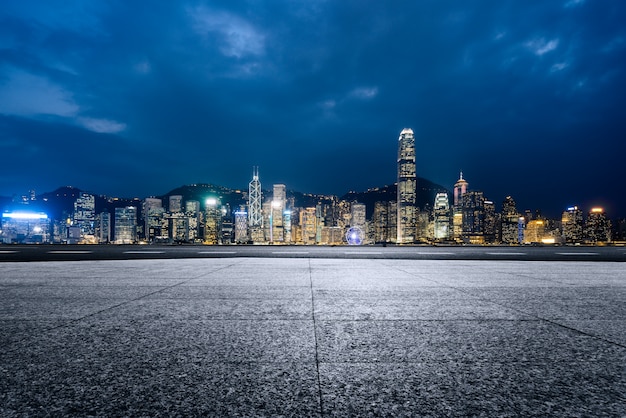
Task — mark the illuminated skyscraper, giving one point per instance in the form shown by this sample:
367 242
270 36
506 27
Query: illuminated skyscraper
491 224
85 215
407 188
126 225
279 200
380 221
212 220
441 211
103 227
473 211
241 227
460 188
255 212
509 222
308 224
176 204
357 215
535 231
572 224
597 226
152 214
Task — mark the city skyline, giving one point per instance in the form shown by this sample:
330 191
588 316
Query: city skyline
451 190
109 97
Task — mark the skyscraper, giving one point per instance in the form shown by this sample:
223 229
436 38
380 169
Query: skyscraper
255 213
597 226
407 188
572 224
152 213
441 211
85 214
279 200
473 210
509 223
460 188
126 225
176 204
103 227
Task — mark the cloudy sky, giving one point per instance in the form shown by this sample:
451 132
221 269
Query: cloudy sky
134 98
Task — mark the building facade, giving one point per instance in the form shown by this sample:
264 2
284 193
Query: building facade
255 208
407 188
125 225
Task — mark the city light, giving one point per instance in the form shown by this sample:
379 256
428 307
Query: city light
211 201
24 215
597 210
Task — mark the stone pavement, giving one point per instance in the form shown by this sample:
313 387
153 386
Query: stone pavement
312 337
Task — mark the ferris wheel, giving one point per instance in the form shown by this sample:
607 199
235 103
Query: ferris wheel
354 236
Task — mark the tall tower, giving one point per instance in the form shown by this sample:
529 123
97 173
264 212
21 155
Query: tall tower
255 213
441 211
277 221
460 188
407 188
572 223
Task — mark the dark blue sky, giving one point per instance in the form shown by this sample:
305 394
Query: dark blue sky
134 98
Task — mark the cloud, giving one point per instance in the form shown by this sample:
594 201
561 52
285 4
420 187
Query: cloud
143 67
236 37
102 126
559 66
364 93
31 96
573 3
26 94
541 46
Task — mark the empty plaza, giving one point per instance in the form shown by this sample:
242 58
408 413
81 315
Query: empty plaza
312 337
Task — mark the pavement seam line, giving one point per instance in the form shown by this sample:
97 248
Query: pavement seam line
69 322
550 321
317 361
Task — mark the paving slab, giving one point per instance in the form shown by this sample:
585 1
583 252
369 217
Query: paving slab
312 337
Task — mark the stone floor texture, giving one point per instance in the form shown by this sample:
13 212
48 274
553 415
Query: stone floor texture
312 337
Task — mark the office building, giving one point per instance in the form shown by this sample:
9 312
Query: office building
460 188
509 222
255 208
103 227
175 204
212 220
597 227
125 225
153 211
572 225
241 227
407 188
84 216
473 216
441 214
24 227
308 225
491 222
277 207
380 222
535 231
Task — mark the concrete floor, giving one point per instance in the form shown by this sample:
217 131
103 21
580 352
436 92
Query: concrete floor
312 337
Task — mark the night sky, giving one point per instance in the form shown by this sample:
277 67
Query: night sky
132 98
